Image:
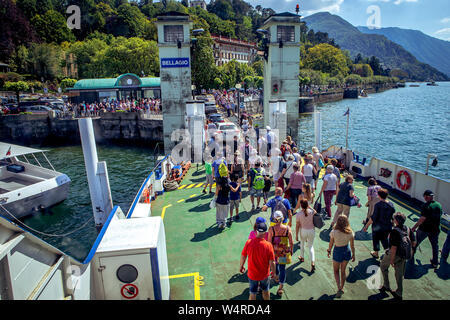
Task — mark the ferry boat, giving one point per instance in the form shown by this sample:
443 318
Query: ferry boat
26 188
168 246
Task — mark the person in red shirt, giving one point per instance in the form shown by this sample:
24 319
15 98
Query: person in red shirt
261 263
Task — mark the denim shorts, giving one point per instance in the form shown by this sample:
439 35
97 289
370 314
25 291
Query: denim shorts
263 284
341 254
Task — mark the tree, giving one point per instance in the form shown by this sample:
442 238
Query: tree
204 69
52 27
67 83
15 29
353 79
17 87
363 70
45 60
221 8
327 59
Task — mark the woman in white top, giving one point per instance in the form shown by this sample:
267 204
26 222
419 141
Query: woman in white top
317 157
305 225
308 170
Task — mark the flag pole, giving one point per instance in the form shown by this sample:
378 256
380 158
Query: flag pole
346 136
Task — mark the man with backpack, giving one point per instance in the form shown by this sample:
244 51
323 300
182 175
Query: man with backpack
278 203
256 184
401 240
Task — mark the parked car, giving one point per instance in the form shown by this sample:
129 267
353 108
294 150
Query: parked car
215 117
210 107
38 109
229 129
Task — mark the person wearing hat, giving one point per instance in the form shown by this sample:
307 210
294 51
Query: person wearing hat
395 255
330 187
261 262
280 236
428 225
254 232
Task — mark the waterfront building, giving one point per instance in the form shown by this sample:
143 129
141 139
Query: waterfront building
227 49
125 86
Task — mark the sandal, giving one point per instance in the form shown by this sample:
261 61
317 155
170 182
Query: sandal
374 255
301 259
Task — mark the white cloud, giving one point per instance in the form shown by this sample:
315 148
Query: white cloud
307 7
397 2
443 31
445 20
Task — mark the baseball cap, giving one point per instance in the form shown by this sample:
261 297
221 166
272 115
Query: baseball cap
278 215
260 220
261 227
428 193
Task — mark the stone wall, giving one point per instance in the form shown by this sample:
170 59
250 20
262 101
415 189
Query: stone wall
44 130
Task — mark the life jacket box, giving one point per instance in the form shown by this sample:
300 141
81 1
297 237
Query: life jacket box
16 168
131 261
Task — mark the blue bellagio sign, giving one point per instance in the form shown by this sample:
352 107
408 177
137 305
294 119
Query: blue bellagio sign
174 62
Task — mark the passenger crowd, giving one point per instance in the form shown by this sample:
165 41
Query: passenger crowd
294 177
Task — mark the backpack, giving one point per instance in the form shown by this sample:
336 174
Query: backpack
258 180
223 170
404 251
280 207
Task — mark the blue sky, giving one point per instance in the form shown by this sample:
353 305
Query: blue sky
432 17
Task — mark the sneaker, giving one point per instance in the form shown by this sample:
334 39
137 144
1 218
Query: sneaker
204 191
383 289
253 207
397 296
339 294
258 208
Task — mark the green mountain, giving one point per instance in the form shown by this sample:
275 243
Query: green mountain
427 49
391 54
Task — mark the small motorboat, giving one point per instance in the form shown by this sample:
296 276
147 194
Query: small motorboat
26 188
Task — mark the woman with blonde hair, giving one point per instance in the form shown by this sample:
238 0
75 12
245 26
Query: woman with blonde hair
307 194
343 239
319 163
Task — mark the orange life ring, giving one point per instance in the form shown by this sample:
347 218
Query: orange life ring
407 184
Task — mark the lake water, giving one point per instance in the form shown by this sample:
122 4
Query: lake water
401 125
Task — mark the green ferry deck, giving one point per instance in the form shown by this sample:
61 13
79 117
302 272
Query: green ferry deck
203 260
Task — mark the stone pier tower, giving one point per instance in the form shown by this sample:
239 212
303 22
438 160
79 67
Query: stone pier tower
281 68
175 71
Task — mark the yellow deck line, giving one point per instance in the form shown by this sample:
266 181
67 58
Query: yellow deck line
191 186
163 213
193 195
182 186
199 185
196 275
181 200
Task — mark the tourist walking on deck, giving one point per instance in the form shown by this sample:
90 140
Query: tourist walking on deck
256 184
235 196
372 197
222 197
288 169
254 232
270 138
343 198
307 194
267 186
381 222
329 188
428 225
219 159
318 162
277 203
238 166
209 174
336 170
308 170
296 182
342 238
401 241
445 248
261 263
305 225
280 236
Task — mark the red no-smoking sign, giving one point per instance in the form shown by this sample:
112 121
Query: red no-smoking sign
129 291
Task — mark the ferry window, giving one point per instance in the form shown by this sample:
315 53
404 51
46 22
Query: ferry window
173 34
286 33
127 273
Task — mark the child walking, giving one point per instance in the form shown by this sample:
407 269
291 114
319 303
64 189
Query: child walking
235 196
209 176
